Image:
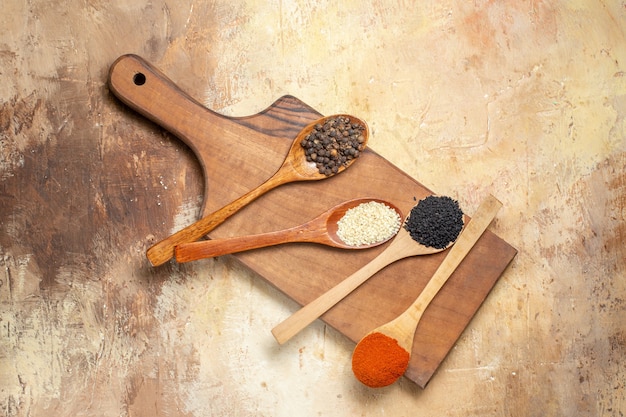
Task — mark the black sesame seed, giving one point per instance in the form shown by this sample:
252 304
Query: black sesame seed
435 221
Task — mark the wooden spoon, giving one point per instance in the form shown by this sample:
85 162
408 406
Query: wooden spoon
322 229
402 328
402 246
295 167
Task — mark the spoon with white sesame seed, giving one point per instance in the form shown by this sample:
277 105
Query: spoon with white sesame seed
325 229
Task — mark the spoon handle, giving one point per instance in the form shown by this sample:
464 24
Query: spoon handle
316 308
163 251
408 320
192 251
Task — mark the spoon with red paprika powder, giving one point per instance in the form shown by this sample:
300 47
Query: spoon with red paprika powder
382 356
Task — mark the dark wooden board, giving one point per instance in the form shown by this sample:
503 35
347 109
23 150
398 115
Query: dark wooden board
237 154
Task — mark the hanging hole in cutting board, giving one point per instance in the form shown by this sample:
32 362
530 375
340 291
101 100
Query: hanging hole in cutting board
139 79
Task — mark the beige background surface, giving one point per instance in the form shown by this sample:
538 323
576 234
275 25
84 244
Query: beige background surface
525 100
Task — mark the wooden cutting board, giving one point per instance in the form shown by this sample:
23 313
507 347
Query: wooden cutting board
238 154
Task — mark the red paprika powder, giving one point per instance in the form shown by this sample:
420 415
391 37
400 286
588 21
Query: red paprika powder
378 360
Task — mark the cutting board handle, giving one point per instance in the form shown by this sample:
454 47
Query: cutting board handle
149 92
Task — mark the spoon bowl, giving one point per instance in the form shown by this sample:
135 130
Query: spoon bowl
295 167
305 170
402 246
322 229
396 337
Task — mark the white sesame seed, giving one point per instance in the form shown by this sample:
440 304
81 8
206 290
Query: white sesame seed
368 223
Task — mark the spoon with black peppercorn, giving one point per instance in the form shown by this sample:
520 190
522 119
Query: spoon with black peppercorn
307 160
382 356
404 245
324 229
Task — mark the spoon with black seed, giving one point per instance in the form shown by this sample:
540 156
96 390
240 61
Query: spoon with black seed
432 226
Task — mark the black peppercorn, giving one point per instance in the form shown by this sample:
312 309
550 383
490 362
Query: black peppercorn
334 144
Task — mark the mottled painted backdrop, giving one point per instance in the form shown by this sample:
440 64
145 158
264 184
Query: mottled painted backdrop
522 99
